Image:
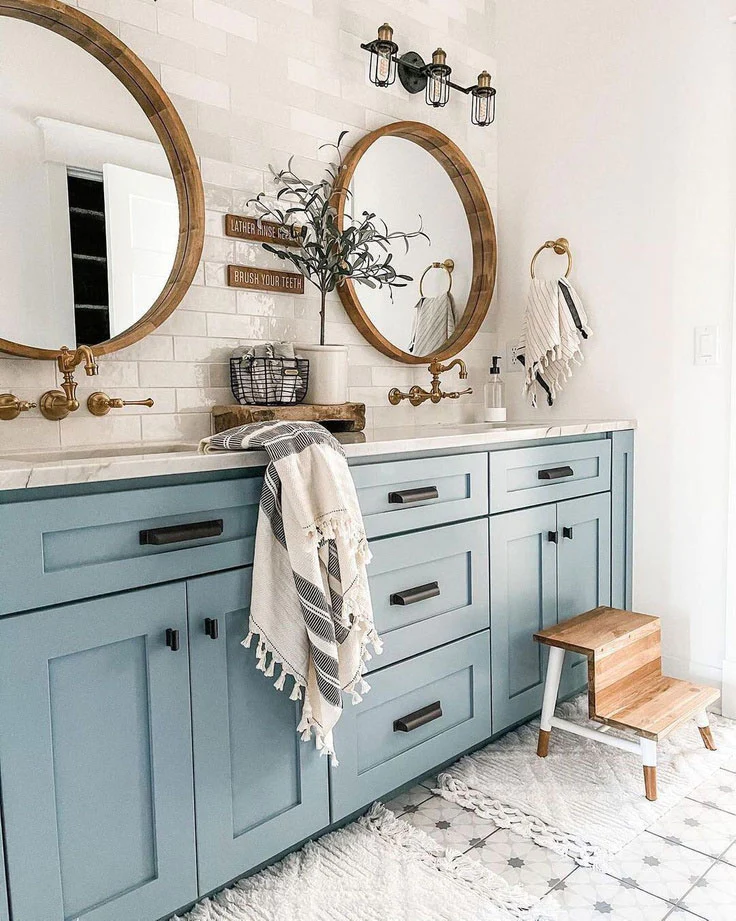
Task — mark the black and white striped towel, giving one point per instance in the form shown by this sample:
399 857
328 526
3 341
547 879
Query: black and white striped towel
310 605
555 326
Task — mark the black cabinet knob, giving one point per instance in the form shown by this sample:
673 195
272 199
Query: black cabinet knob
212 627
172 639
552 537
567 532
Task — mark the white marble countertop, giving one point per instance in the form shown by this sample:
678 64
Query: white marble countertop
29 469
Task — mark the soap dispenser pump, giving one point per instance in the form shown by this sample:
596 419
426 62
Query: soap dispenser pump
495 397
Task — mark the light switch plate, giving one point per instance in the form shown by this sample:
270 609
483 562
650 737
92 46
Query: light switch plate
707 346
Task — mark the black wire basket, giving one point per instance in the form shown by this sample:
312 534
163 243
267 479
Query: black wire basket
269 381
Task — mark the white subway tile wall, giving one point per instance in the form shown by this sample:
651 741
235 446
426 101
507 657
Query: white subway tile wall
256 81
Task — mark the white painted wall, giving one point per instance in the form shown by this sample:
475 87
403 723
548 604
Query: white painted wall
617 131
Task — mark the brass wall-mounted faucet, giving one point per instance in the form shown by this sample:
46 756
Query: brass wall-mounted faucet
11 407
417 395
57 404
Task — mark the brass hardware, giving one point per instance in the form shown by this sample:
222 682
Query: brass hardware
561 246
11 407
56 405
385 33
448 265
100 404
417 395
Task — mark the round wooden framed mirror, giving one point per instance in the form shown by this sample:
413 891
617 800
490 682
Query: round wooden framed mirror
403 172
101 204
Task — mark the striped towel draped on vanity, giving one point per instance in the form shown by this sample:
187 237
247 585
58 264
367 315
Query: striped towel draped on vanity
310 605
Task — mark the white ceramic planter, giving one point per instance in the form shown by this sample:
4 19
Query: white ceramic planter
328 372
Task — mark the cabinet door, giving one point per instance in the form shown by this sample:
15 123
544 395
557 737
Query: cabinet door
523 600
96 759
583 570
259 788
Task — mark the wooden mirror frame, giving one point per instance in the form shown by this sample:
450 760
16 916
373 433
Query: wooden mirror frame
482 234
79 28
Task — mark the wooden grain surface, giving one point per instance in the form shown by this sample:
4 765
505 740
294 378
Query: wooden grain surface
342 417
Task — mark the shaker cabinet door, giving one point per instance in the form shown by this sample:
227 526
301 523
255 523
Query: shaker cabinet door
583 571
259 788
523 600
96 759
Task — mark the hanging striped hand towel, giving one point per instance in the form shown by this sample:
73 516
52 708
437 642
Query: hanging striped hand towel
555 326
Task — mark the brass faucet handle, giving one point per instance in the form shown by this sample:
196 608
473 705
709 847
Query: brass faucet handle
455 395
100 404
11 407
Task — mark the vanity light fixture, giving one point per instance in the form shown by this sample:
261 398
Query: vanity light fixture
416 76
383 57
483 111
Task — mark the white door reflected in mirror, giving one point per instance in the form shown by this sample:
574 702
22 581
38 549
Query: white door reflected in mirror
88 206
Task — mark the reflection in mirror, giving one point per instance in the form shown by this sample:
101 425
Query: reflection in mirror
399 180
88 208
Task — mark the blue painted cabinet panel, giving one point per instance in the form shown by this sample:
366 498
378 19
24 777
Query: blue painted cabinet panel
80 546
4 916
453 562
259 788
376 757
583 570
622 519
523 600
461 484
96 760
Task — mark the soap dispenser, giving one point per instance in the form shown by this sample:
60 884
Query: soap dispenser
495 397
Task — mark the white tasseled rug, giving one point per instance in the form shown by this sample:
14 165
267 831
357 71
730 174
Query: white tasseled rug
584 800
376 869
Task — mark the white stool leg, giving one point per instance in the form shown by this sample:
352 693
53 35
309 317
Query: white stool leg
551 687
706 733
649 760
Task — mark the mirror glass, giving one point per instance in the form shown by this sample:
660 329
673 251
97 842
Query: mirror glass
89 219
402 182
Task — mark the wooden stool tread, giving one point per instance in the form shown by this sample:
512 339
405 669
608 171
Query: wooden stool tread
657 706
598 632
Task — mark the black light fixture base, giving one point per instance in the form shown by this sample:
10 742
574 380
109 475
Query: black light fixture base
411 79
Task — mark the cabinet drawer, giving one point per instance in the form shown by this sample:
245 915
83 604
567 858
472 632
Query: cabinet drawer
417 715
429 588
57 550
410 494
532 476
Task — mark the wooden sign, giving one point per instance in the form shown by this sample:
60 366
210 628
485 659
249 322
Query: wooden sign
250 228
242 276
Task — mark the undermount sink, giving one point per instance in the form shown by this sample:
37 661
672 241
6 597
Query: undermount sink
488 426
95 453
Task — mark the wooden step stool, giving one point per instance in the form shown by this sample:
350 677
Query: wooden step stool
626 687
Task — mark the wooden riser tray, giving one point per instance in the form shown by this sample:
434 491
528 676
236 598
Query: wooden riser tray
340 417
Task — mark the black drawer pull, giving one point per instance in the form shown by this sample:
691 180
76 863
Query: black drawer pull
172 640
420 593
567 532
404 496
419 718
553 537
157 537
212 627
555 473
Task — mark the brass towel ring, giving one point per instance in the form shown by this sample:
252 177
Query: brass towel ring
561 247
448 265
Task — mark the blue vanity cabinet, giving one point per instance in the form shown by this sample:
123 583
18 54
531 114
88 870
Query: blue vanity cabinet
259 789
547 564
96 759
583 570
523 600
4 916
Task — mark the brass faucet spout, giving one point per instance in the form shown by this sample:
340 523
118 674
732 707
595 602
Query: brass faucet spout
418 395
57 404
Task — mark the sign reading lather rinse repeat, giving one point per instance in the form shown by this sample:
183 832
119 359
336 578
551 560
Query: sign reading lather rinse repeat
241 276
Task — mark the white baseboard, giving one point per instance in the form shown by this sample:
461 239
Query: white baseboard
728 694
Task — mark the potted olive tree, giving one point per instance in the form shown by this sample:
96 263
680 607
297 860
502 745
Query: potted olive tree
327 255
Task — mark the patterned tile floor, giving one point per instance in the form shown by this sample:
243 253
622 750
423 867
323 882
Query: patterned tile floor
683 868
